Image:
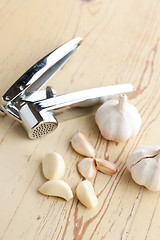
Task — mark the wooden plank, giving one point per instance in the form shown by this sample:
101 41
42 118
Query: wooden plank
120 45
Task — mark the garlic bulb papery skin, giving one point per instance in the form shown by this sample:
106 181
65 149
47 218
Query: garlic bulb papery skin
81 144
118 120
144 165
87 168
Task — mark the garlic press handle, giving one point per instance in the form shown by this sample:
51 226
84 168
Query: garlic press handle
34 78
85 98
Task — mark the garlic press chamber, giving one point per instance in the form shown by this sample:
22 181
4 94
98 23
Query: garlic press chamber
40 111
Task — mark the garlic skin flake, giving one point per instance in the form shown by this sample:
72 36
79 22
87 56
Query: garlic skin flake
87 168
81 144
86 195
53 166
144 165
118 120
57 188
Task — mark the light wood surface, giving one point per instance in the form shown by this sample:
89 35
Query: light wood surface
120 45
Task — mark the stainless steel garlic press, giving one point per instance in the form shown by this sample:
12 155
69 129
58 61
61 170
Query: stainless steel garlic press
39 111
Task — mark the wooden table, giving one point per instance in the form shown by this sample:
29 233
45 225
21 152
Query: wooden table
120 45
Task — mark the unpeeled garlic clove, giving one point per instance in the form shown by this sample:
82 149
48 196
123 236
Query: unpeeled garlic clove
57 188
53 166
106 166
144 165
87 168
81 144
118 120
86 195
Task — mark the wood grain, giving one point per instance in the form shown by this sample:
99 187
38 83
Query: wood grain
121 44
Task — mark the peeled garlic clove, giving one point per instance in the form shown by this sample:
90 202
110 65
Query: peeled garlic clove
118 120
86 195
87 168
106 166
53 166
144 165
57 188
81 144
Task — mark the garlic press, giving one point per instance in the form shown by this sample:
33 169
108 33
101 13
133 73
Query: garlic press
40 111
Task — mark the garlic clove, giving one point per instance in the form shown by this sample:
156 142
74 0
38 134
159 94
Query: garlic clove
53 166
86 195
81 144
57 188
118 120
144 165
87 168
106 166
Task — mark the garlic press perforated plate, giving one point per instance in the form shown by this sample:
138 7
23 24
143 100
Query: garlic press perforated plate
39 111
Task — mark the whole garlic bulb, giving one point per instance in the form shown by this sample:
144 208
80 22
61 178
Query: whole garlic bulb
144 165
118 120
